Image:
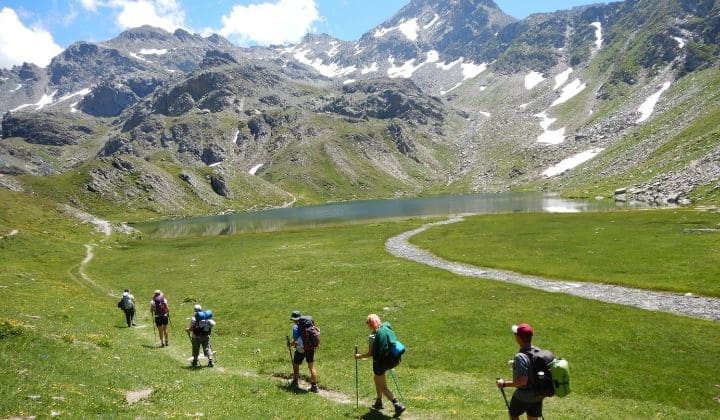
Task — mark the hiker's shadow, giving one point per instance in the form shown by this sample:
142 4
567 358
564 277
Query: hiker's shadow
294 389
375 415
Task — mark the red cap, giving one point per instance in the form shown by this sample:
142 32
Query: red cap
523 330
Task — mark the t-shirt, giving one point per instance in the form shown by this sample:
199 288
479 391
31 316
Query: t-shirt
297 337
522 367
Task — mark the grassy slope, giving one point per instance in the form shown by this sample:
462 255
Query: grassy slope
662 250
456 329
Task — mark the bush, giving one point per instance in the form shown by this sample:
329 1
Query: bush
11 328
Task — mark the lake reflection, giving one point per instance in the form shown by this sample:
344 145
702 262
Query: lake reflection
368 210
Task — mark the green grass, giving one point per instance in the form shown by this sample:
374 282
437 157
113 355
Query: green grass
661 250
66 343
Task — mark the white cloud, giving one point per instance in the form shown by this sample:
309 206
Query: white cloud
165 14
19 44
282 22
91 5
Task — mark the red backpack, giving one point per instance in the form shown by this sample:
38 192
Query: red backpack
161 307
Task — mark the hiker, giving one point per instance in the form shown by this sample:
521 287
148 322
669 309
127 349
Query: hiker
160 310
378 349
201 325
127 304
301 353
524 399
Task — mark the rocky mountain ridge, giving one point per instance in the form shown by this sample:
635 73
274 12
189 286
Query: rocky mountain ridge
447 95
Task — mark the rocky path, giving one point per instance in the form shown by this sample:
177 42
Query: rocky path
690 305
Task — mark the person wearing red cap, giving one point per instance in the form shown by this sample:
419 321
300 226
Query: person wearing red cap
524 399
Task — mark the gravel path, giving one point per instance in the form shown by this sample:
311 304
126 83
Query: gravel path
690 305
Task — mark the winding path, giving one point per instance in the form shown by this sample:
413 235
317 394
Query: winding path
690 305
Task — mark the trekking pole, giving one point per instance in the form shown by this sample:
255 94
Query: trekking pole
396 385
357 389
287 340
502 390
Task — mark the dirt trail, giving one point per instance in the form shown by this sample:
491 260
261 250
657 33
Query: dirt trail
690 305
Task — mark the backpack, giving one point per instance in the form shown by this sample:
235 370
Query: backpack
395 349
126 303
161 307
549 376
203 322
310 333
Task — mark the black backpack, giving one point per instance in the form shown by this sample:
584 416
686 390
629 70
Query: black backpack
309 332
540 378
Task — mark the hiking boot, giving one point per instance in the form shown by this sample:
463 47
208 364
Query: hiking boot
210 363
293 383
193 363
378 404
314 388
399 408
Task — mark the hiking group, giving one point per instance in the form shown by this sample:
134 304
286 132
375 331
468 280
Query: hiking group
536 373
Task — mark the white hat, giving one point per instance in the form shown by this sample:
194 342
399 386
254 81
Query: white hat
125 293
197 308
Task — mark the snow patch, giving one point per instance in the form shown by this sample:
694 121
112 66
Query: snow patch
523 106
137 57
72 107
549 136
569 91
444 92
432 56
444 66
470 70
647 107
328 70
680 41
571 162
349 81
532 79
373 67
212 165
17 88
333 49
255 168
153 51
404 71
432 22
561 78
409 29
236 136
381 32
45 100
598 34
81 92
487 114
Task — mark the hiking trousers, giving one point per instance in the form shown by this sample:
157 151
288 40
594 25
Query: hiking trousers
204 341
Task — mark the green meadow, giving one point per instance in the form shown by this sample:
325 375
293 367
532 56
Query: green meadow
66 350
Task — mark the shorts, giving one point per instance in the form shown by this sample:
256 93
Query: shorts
162 320
518 406
299 357
379 367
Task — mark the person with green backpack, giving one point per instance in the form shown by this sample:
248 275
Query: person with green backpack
382 344
525 399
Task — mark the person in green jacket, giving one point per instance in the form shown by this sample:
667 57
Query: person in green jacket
379 348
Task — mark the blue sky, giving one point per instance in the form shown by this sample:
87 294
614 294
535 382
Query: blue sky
37 30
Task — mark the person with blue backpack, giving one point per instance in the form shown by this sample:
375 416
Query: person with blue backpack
199 330
127 304
383 347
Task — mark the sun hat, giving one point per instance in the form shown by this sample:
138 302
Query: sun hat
197 308
295 315
523 330
125 293
158 292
